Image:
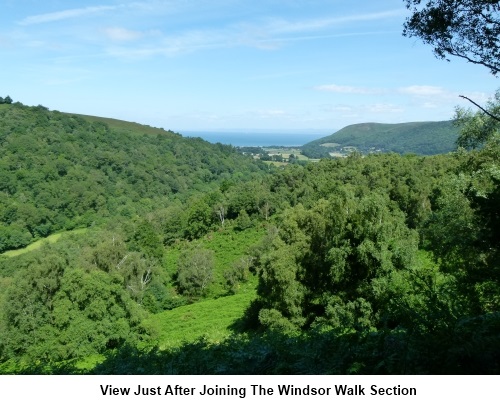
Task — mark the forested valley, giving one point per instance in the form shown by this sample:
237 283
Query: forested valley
176 256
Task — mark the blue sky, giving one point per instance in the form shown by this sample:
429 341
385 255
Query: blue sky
230 64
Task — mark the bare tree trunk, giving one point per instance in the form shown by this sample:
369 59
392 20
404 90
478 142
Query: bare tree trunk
221 213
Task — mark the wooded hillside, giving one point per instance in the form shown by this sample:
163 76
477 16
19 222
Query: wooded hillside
62 171
423 138
386 263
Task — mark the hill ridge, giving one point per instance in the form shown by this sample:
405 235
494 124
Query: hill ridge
420 137
61 171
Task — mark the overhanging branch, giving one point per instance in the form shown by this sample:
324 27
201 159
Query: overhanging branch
481 108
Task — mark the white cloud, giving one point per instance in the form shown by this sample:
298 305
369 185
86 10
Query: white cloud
342 110
428 96
424 91
122 34
65 14
335 88
285 26
432 95
173 45
267 34
365 112
272 32
478 97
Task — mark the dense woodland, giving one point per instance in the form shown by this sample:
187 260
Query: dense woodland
383 263
60 172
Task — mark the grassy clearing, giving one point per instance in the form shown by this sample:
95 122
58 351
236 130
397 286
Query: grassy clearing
278 164
212 319
215 319
228 246
39 243
286 152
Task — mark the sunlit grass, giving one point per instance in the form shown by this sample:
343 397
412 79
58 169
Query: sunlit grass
228 246
211 319
39 243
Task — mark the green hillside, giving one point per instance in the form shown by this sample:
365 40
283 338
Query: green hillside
64 171
423 138
133 250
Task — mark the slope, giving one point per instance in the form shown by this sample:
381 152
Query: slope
425 138
61 171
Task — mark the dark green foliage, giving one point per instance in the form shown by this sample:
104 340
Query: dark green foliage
250 197
408 180
423 138
465 228
199 218
468 29
6 100
472 348
60 171
385 263
478 128
145 239
324 263
255 150
54 310
243 221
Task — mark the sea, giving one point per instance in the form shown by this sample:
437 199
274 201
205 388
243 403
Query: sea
257 138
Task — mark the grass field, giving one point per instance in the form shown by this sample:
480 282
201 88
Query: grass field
286 152
212 319
39 243
228 246
214 316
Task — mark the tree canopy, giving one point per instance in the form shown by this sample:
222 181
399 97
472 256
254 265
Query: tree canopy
385 263
468 29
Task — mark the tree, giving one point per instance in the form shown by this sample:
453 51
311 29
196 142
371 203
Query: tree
464 228
326 263
199 218
220 212
468 29
146 240
237 273
195 271
478 128
243 221
54 311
